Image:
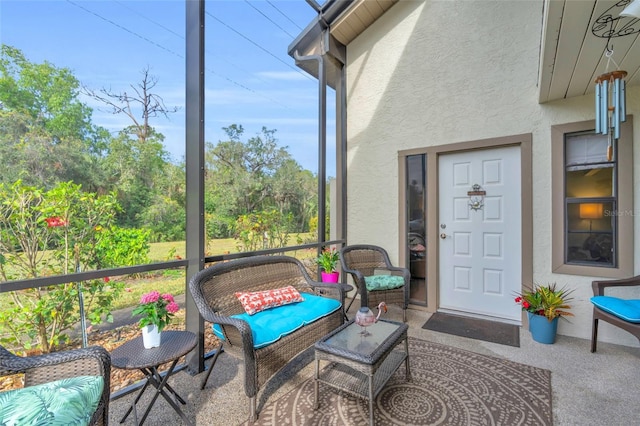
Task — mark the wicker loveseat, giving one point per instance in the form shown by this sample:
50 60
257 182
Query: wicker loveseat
47 375
214 291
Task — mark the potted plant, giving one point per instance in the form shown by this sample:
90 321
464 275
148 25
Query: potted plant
157 311
328 261
544 304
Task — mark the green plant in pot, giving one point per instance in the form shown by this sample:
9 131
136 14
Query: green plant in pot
328 261
545 304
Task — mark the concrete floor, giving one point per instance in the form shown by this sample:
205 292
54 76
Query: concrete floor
588 389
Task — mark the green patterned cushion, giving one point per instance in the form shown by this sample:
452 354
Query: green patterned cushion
63 402
383 282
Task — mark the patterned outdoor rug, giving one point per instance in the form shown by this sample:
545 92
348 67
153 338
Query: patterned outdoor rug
449 387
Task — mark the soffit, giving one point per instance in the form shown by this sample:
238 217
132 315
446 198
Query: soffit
572 56
353 21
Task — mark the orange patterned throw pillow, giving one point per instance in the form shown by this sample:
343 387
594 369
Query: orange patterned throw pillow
254 302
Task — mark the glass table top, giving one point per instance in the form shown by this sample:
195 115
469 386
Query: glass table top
351 338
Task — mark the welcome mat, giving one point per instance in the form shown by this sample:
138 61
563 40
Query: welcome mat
474 328
449 386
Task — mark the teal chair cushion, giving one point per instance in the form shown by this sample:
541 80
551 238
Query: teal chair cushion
272 324
63 402
383 282
628 310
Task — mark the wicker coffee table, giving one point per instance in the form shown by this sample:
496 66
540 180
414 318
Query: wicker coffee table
133 356
361 365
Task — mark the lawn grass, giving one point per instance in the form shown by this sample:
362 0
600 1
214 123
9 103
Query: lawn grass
171 280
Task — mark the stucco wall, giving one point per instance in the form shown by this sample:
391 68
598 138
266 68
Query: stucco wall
440 72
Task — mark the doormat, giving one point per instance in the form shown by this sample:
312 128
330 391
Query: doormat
474 328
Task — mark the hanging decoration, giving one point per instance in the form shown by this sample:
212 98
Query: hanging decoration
611 86
610 106
476 197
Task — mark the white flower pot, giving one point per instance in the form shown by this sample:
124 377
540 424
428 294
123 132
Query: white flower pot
151 336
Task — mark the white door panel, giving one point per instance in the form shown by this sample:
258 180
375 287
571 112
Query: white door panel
480 245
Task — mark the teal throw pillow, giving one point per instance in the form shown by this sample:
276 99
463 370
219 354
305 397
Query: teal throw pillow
63 402
383 282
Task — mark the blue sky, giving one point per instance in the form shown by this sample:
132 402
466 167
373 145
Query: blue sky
250 79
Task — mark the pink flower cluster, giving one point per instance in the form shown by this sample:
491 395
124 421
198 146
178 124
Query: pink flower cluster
156 309
172 306
151 297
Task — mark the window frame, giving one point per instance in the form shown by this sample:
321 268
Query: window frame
624 197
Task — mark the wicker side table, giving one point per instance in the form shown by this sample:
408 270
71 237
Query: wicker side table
361 365
133 356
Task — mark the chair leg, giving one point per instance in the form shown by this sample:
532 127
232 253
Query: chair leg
213 362
404 315
594 335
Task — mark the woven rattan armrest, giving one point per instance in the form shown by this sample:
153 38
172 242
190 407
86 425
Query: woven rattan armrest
92 361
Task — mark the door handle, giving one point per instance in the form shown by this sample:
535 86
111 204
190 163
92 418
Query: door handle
443 236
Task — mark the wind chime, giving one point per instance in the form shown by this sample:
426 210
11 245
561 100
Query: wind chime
611 100
611 108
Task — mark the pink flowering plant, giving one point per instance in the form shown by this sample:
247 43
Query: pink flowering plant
156 309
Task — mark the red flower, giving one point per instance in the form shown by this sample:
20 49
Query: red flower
55 221
106 279
525 304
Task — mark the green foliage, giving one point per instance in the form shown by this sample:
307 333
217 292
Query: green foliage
547 300
46 132
55 232
245 177
328 260
262 230
122 247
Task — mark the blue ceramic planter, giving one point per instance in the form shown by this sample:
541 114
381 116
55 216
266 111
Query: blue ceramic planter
542 330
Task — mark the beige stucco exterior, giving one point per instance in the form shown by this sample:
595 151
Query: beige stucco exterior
430 73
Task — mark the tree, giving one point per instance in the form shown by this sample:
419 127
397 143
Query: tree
150 188
46 134
142 101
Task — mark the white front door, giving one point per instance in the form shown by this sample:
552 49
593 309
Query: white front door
480 237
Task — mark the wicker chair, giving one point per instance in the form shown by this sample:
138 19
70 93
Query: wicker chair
365 260
613 314
213 290
92 361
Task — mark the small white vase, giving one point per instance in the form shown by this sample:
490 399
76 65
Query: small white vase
151 336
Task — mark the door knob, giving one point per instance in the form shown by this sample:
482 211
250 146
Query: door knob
443 235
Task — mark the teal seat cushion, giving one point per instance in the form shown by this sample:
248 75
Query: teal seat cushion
272 324
628 310
63 402
383 282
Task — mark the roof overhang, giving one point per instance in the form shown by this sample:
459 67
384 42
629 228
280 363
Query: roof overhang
574 45
337 24
573 42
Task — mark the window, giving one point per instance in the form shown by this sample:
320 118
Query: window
592 202
416 215
590 197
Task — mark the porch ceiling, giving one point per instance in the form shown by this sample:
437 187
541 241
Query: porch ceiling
573 46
